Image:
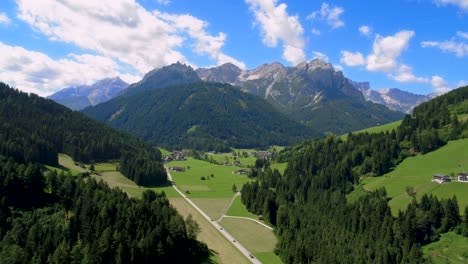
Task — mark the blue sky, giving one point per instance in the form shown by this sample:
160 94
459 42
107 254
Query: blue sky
419 46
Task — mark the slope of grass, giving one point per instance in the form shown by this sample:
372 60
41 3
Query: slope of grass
377 129
219 186
281 167
451 248
418 171
67 162
238 209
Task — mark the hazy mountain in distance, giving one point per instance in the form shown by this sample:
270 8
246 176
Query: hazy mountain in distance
393 98
79 97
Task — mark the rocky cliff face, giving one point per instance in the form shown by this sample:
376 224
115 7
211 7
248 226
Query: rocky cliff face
79 97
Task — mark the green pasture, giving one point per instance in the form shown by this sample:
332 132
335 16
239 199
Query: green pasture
268 258
164 152
418 171
281 167
230 158
238 209
213 207
110 166
377 129
250 234
451 248
219 186
67 162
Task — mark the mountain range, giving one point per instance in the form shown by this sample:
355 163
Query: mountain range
79 97
311 92
393 98
206 116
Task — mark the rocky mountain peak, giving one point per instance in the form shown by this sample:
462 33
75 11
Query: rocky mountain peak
314 65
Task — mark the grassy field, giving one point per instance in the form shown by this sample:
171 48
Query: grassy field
213 207
377 129
222 249
281 167
219 186
451 248
417 172
164 152
268 258
105 167
253 236
67 162
238 209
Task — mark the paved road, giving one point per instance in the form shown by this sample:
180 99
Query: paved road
218 227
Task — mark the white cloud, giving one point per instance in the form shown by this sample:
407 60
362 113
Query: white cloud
36 72
205 43
329 14
122 30
164 2
460 49
320 55
462 34
4 19
338 67
277 25
315 31
352 58
462 83
386 51
365 30
462 4
405 74
439 85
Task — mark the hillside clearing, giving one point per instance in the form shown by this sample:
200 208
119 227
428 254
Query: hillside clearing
451 248
418 171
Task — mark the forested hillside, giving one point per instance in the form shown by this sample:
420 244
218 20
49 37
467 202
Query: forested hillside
314 221
50 218
207 116
34 129
64 219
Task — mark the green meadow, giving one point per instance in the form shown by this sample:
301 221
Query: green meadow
217 186
238 209
256 238
417 172
451 248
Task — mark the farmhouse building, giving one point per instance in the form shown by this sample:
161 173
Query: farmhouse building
463 177
179 169
441 178
240 172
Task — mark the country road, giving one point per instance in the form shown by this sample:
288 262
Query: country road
218 227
